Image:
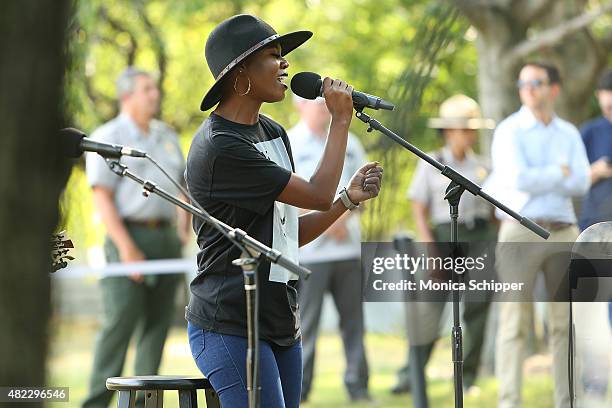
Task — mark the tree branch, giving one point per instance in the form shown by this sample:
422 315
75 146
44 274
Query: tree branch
528 10
159 47
555 35
130 52
106 107
486 14
606 41
475 11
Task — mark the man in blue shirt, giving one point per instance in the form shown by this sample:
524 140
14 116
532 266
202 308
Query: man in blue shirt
539 164
597 207
597 138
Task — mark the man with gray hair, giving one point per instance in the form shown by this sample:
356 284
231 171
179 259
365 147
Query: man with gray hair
137 228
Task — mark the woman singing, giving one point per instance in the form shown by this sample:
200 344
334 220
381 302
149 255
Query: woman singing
240 169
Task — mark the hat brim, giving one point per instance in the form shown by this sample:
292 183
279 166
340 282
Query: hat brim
288 43
461 123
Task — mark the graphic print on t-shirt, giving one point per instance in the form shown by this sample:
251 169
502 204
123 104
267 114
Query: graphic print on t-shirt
285 221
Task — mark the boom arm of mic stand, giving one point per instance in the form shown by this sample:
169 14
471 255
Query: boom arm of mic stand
237 234
452 174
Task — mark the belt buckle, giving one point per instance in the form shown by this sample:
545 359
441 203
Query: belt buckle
553 225
152 223
558 226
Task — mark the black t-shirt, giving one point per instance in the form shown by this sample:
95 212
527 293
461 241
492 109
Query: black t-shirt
236 172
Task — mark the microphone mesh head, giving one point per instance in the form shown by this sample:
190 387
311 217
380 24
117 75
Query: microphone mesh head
70 140
307 85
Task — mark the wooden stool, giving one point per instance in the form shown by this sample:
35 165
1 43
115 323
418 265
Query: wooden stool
154 386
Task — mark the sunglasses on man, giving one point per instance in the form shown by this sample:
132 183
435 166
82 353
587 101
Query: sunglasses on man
532 83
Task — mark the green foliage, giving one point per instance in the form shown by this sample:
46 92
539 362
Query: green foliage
412 51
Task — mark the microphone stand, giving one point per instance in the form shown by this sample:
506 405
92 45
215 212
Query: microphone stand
249 267
458 184
253 252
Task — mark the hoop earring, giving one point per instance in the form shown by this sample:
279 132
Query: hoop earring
248 88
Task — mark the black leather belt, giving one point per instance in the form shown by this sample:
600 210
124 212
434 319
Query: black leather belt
477 223
553 225
150 223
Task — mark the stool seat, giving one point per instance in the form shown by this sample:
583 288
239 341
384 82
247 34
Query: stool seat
157 382
154 387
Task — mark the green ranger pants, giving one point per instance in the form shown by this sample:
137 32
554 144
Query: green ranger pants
145 309
474 319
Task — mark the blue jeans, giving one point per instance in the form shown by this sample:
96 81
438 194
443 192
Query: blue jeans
222 359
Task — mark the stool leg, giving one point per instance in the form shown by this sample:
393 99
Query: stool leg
154 398
188 399
212 399
127 399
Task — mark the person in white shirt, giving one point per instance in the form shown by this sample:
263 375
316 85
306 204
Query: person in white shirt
137 228
334 257
539 164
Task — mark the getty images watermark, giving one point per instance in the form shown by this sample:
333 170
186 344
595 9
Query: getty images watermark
483 271
448 264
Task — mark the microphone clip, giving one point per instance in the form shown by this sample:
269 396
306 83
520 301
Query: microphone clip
115 166
364 117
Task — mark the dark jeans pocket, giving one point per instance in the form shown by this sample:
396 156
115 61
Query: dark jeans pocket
196 340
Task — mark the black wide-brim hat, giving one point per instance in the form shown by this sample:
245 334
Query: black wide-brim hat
233 40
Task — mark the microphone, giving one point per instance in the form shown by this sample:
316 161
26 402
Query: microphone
74 143
309 85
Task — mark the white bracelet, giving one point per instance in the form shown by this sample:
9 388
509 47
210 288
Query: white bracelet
344 197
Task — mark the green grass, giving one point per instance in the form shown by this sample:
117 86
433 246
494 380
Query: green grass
72 346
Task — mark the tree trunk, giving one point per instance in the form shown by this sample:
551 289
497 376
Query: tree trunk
579 79
496 73
32 173
502 26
